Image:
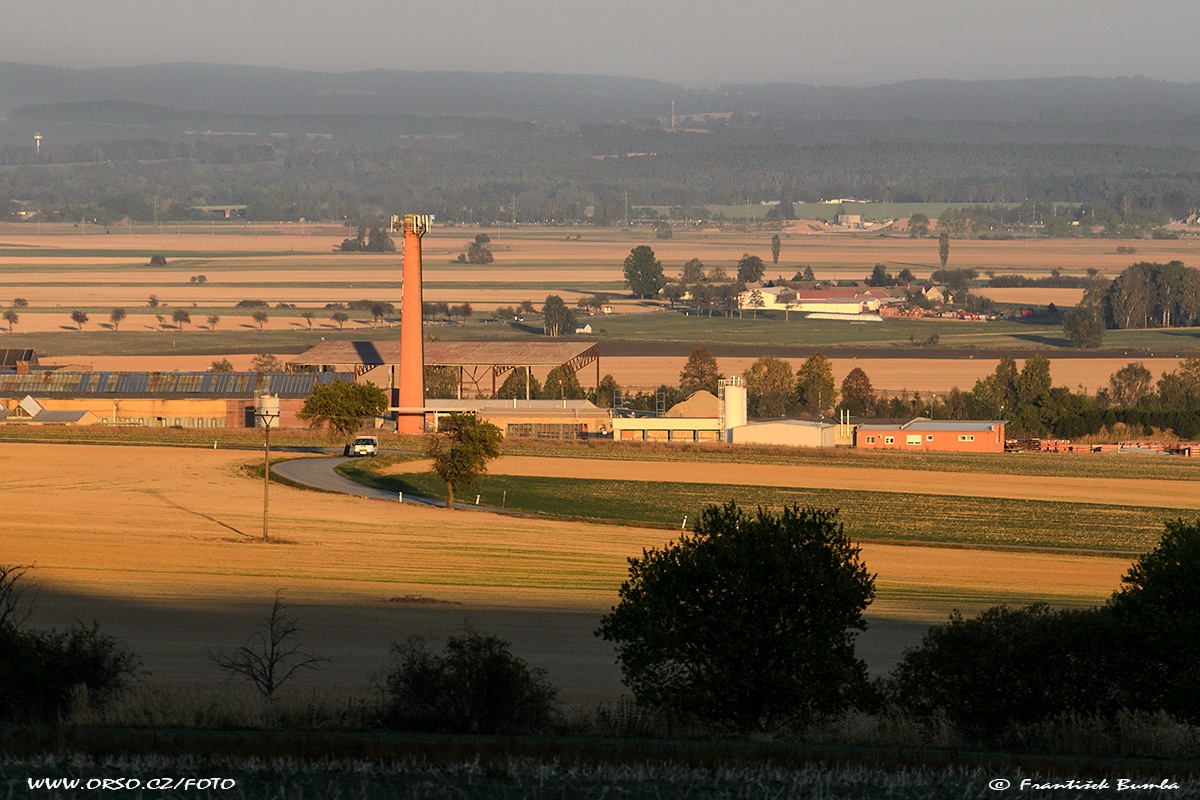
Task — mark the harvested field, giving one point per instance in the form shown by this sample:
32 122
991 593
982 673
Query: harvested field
160 545
1109 491
891 374
1032 296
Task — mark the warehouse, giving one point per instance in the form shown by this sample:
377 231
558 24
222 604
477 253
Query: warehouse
786 432
163 399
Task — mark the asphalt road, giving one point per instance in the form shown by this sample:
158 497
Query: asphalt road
319 474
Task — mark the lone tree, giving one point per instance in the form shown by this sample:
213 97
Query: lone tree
776 246
643 272
116 316
750 269
700 372
212 322
460 451
340 317
749 622
12 318
341 407
944 247
307 315
181 317
79 318
271 656
261 318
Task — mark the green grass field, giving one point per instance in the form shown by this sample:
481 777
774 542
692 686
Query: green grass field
875 516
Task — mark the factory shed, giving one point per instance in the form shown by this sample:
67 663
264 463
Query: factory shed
528 419
785 432
701 417
959 436
165 399
481 365
31 412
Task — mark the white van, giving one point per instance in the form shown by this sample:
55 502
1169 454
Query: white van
362 446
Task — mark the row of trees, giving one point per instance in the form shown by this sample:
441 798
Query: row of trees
1024 396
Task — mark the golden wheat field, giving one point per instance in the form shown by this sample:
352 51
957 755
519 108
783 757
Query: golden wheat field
162 546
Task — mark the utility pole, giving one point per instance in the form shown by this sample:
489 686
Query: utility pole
267 411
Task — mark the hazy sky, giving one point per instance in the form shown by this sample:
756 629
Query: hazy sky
697 43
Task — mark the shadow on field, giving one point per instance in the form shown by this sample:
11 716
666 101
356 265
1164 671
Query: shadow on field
168 501
1052 341
174 636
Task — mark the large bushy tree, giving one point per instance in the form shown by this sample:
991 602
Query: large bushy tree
1084 326
343 407
700 372
557 318
461 450
814 385
750 268
749 622
644 272
769 386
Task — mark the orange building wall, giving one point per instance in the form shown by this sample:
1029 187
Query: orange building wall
158 412
941 441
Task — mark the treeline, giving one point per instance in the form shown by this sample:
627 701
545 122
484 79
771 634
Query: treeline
1025 397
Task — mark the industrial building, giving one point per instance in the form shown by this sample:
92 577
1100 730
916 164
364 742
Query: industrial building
786 432
702 417
958 436
528 419
158 399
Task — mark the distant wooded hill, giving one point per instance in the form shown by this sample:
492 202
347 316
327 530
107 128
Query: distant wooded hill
572 98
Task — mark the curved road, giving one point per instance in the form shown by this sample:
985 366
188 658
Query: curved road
319 474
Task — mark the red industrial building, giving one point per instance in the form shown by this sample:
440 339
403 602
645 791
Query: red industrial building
955 436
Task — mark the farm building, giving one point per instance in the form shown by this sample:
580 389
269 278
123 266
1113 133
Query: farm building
528 419
827 301
962 436
163 399
786 432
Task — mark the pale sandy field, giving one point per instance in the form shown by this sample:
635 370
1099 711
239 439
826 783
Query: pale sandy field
161 546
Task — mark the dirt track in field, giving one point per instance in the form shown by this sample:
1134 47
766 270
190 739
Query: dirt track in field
161 546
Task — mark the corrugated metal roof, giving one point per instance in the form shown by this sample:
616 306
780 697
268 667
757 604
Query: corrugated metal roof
187 384
955 425
934 425
446 354
501 405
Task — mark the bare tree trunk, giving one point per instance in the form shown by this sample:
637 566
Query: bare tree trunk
450 495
